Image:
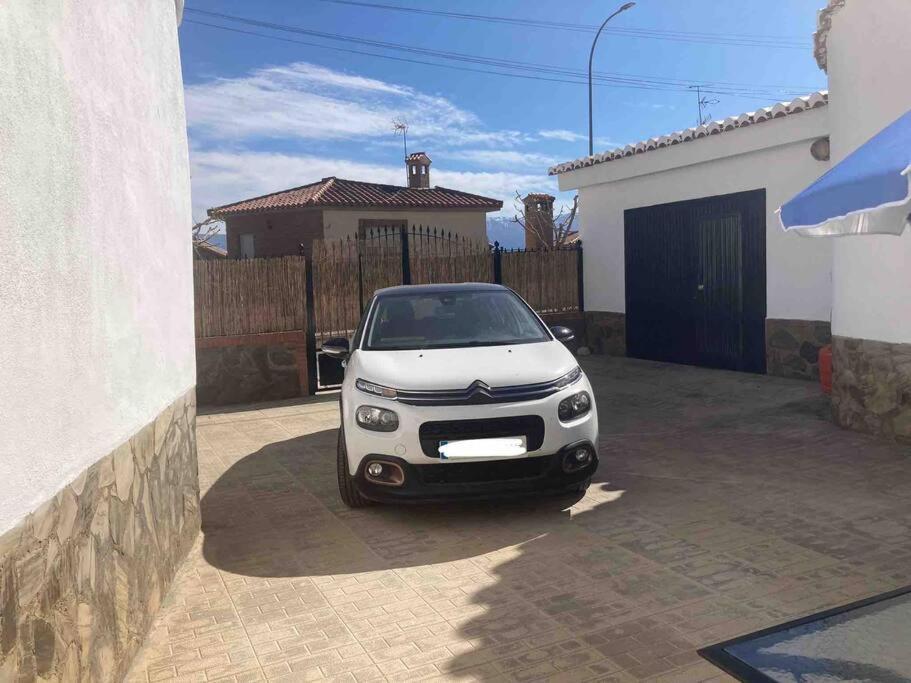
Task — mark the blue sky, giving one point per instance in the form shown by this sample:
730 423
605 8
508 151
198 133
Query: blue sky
266 114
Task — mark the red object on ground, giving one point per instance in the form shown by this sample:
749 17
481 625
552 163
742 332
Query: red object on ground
825 368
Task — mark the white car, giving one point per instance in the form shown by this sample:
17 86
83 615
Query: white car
460 391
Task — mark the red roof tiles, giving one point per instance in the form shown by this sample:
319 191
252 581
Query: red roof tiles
336 192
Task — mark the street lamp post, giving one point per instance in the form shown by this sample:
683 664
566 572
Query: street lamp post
591 55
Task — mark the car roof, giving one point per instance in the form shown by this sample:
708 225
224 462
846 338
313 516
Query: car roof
403 290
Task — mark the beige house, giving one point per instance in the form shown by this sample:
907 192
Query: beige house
287 222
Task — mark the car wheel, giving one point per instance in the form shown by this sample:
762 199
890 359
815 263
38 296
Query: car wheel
346 489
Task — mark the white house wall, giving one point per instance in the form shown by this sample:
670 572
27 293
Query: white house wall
870 86
98 470
869 57
96 284
773 155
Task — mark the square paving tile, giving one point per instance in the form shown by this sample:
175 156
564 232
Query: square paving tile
725 503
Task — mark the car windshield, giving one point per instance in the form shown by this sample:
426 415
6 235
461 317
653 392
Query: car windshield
445 320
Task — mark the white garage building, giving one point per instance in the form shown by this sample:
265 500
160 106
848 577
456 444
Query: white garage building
684 257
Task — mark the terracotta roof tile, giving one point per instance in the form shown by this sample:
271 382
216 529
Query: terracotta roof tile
777 111
336 192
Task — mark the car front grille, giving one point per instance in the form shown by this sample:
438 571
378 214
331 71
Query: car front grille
529 426
477 472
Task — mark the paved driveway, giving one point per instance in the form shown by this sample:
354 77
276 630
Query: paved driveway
725 503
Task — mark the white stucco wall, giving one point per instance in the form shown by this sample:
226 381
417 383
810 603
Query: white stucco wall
96 323
869 57
340 223
774 155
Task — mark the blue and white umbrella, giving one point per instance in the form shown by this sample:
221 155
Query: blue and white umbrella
868 192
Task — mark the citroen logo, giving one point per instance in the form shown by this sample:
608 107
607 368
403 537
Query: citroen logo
478 389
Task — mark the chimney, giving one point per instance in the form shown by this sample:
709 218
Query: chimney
539 220
418 165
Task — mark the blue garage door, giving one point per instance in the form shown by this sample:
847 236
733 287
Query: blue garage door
696 282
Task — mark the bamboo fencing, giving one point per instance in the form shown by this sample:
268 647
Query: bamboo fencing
548 279
437 256
251 296
255 296
345 275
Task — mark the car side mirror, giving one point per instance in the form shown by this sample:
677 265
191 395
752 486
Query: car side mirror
563 334
336 347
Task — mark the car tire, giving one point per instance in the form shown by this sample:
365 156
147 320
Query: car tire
346 488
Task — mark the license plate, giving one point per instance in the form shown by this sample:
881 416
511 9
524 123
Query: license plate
480 449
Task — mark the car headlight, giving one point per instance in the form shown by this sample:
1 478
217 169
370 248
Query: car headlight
570 377
376 419
375 389
574 406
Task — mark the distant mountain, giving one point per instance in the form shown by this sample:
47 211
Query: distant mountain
510 234
504 230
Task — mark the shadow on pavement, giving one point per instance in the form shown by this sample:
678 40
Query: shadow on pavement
277 513
709 500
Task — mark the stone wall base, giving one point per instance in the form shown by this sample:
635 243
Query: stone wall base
606 332
247 374
792 347
871 386
83 575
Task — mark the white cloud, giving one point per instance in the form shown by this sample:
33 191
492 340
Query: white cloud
221 177
307 102
600 143
305 106
498 158
562 135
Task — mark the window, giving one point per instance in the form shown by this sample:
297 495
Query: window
246 245
378 226
452 319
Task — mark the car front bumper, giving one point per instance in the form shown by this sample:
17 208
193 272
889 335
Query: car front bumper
405 442
476 480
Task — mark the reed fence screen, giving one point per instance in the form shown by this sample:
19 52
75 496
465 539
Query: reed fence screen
548 279
438 256
252 296
324 295
345 275
347 272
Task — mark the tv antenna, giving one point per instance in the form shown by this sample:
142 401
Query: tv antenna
702 102
401 126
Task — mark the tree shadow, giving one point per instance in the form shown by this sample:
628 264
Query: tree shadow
277 513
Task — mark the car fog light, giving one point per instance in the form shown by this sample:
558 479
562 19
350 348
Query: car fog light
385 473
574 406
376 419
577 459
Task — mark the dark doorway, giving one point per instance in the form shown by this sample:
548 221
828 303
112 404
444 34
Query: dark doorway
696 282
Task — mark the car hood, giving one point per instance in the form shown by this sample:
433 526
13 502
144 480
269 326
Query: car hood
496 366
